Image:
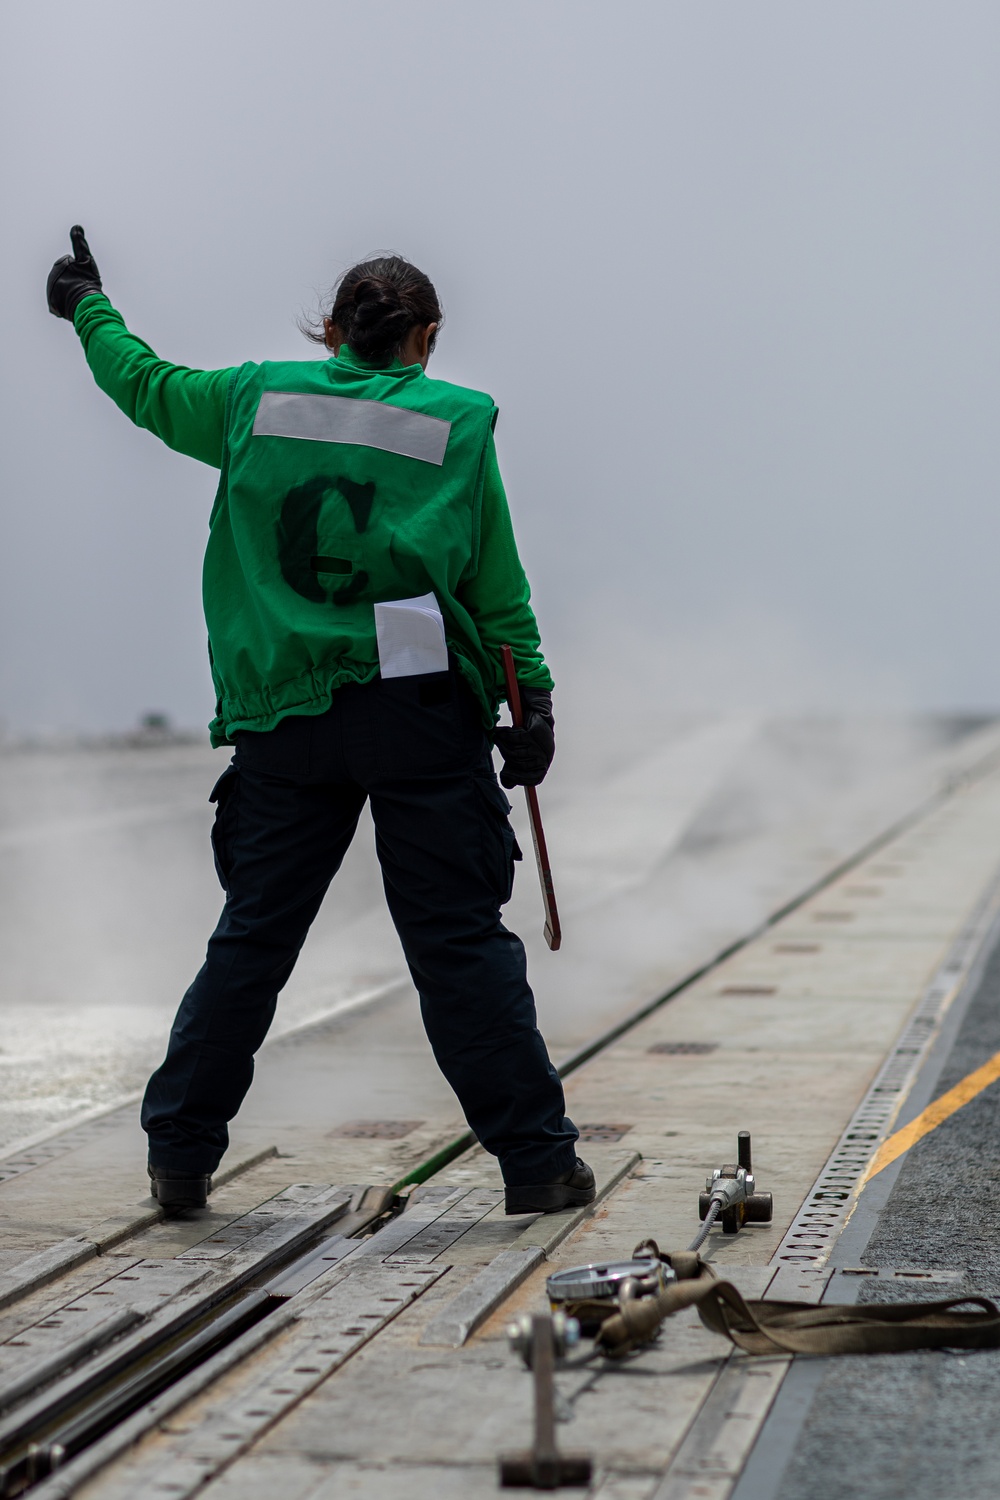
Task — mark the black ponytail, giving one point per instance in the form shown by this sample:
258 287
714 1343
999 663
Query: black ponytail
375 306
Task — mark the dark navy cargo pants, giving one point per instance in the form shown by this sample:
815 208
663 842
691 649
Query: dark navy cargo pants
288 807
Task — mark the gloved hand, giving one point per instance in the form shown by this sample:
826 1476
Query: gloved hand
527 752
73 277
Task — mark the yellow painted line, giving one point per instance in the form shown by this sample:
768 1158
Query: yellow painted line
934 1115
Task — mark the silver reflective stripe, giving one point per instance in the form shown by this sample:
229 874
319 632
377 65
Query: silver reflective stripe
342 419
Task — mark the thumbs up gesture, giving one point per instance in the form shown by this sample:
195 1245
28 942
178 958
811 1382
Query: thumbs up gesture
73 277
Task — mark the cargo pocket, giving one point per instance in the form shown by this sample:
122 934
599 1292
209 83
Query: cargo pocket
500 847
224 827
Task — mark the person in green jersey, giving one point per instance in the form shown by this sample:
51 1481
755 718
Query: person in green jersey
360 577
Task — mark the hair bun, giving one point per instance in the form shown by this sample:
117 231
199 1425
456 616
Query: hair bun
371 289
376 305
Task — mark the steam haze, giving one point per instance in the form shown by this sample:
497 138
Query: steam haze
729 271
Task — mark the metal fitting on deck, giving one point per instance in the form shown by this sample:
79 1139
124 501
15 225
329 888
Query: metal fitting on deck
541 1339
734 1188
521 1336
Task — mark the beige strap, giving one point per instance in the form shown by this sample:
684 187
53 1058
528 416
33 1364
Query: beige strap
801 1327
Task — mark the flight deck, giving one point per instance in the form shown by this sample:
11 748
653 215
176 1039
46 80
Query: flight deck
337 1323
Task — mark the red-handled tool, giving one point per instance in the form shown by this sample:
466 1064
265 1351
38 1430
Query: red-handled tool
553 932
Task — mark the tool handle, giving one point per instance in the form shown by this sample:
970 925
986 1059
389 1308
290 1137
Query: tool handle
553 930
513 690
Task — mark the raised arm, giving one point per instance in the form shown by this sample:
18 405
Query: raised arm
185 408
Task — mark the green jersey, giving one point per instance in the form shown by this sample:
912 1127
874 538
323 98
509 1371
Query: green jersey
342 486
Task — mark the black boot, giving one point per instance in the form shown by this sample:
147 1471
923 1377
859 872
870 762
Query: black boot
177 1192
573 1190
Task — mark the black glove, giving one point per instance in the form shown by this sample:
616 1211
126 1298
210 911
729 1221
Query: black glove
73 277
527 753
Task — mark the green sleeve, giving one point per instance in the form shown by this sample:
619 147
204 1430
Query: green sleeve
498 596
186 408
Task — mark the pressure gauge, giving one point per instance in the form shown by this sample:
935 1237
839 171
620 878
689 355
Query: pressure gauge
603 1282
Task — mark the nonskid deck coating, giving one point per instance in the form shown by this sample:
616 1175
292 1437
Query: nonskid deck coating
790 1065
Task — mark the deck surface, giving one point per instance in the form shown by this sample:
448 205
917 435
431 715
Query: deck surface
366 1388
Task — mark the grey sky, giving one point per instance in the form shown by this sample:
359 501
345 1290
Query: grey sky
729 270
